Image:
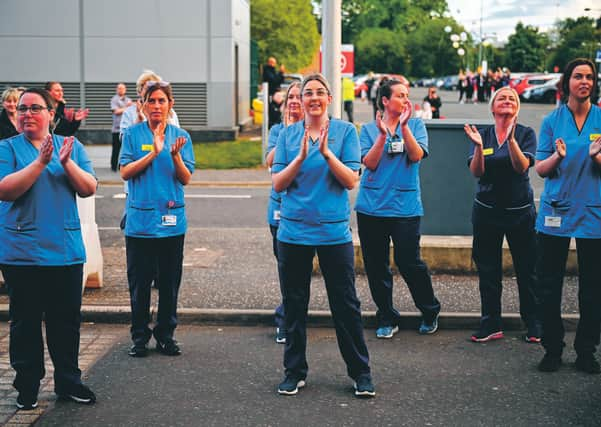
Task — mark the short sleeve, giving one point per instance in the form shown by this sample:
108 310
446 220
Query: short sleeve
528 143
351 152
273 138
545 141
81 157
7 159
280 160
114 103
126 119
126 155
187 153
421 135
366 141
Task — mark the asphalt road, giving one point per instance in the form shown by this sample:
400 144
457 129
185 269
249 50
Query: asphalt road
228 376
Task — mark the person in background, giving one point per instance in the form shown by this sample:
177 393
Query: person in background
348 97
316 163
8 116
500 158
293 112
569 158
42 251
389 207
157 160
271 76
275 108
119 103
462 85
66 120
435 103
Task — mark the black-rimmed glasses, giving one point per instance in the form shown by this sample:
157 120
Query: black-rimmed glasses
34 108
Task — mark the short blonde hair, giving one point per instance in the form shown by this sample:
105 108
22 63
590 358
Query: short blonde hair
11 93
146 76
496 92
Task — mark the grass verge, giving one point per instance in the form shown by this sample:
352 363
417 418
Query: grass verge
242 153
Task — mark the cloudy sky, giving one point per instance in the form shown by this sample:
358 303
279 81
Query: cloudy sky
501 16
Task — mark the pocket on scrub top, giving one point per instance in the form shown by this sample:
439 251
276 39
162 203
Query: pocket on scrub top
142 218
73 240
21 242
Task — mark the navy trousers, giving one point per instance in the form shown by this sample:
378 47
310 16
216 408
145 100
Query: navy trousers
52 294
143 257
375 234
487 254
550 269
337 263
279 310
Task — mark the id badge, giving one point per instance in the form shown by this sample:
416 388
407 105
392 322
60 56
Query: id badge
553 221
169 220
276 215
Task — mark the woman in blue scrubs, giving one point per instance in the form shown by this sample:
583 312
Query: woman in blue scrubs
42 252
500 158
157 160
569 158
389 207
292 113
316 162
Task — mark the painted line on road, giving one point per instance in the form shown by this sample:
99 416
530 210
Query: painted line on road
201 196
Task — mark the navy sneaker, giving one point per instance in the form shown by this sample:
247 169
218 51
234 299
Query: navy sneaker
27 401
587 363
138 350
386 332
364 387
280 335
290 385
78 393
428 327
168 347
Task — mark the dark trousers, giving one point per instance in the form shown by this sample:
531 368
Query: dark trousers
279 310
348 108
143 256
487 254
550 270
375 234
337 263
115 152
54 295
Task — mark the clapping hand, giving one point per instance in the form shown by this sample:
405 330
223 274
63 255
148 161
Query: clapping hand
323 138
66 150
81 114
46 149
180 141
595 147
380 122
158 139
304 148
406 114
472 132
560 147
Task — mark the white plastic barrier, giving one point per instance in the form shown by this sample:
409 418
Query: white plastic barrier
92 269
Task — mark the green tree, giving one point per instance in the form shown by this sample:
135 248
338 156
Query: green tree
525 49
286 30
577 38
381 50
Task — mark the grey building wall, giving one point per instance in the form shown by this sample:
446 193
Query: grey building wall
92 45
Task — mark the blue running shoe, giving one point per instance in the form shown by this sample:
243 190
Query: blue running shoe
386 332
364 387
290 385
427 328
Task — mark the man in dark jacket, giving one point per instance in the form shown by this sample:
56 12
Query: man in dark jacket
271 76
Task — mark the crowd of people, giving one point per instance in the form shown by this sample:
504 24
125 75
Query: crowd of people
315 160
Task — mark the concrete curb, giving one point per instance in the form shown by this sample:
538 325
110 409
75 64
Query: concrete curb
206 184
317 318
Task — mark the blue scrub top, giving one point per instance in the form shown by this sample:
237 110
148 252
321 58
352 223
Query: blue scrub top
42 226
501 186
393 188
315 207
570 205
275 199
156 197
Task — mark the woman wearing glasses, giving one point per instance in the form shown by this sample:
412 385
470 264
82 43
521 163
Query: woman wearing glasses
316 163
157 160
42 252
292 112
389 207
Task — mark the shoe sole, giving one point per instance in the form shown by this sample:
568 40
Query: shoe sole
365 393
385 337
532 340
491 337
299 384
27 408
280 340
430 331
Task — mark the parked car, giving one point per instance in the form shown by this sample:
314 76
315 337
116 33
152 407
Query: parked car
423 82
451 83
533 80
289 79
546 92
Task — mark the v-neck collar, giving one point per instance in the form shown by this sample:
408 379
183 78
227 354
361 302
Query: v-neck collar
574 118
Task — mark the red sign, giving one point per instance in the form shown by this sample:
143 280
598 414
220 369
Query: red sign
347 60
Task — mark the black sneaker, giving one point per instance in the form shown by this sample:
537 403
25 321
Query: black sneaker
549 363
138 350
78 393
588 364
27 401
168 348
290 385
364 387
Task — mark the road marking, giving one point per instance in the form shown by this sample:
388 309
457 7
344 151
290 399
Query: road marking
200 196
98 196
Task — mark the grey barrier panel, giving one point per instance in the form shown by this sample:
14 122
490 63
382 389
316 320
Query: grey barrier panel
446 181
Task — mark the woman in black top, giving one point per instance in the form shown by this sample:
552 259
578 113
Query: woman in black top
66 120
434 101
504 207
8 116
